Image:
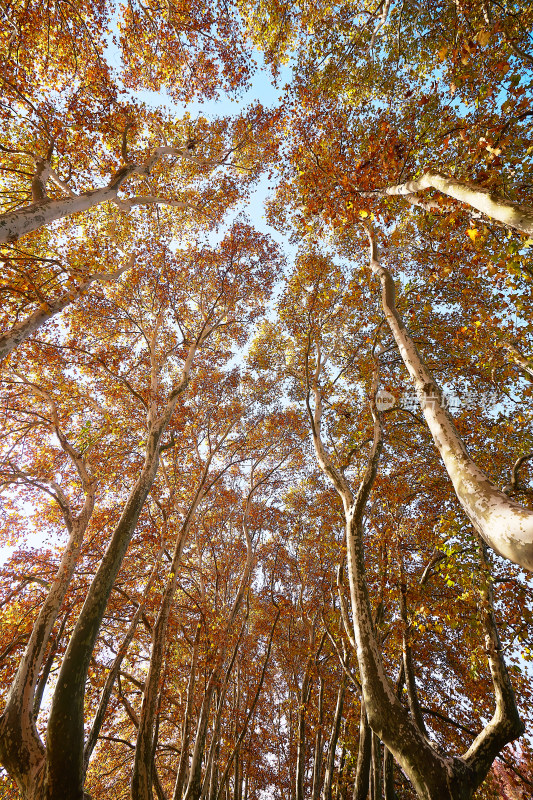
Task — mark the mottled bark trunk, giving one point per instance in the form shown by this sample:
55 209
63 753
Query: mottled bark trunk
504 524
433 777
508 212
505 725
15 224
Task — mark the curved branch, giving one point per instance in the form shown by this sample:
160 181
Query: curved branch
508 212
504 524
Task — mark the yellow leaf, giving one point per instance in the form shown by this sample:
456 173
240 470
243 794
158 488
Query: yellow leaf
472 233
364 213
483 37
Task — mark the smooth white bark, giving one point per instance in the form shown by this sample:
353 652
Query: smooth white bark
44 211
509 213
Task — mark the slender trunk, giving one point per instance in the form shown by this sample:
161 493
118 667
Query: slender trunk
407 653
251 710
301 735
334 736
215 739
317 766
246 780
430 774
141 781
194 787
377 789
237 781
388 775
362 774
238 776
45 672
504 524
340 783
213 778
186 729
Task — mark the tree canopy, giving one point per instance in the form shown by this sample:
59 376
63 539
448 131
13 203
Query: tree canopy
266 516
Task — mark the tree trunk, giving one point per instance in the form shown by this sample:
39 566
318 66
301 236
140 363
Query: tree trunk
24 329
15 224
115 669
303 699
141 781
65 732
433 776
364 752
194 786
186 729
317 765
334 736
509 213
377 789
388 775
407 653
21 749
504 524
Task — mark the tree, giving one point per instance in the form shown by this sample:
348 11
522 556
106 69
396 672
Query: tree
241 493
